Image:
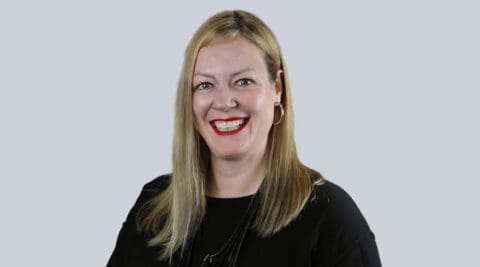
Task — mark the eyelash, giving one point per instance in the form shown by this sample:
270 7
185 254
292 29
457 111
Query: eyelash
203 83
248 81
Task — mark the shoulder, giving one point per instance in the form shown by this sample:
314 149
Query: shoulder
338 206
153 188
342 230
158 184
131 243
149 191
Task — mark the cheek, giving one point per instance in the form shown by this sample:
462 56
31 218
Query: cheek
260 103
200 106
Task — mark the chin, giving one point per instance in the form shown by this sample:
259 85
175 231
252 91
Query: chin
229 155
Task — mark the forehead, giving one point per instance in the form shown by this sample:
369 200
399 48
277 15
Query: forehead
229 55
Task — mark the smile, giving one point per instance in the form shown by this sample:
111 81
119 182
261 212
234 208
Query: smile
229 126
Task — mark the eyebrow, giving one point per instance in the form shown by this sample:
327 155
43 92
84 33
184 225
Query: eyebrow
241 71
232 75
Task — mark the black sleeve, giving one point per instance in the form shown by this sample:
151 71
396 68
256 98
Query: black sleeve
345 239
128 240
117 259
362 254
131 246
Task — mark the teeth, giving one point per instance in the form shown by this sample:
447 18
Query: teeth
226 126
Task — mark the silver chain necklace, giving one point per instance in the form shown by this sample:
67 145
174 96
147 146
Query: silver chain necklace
234 242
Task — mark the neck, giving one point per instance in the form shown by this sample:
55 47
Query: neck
236 178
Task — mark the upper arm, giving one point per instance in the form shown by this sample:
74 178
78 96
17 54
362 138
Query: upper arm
363 253
344 237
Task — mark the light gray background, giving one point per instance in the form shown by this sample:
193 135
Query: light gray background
385 97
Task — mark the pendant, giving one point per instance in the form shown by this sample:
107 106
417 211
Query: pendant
208 259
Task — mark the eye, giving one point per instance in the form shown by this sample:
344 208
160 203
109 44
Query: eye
244 82
203 86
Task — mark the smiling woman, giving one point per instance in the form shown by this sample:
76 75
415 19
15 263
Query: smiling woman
238 194
233 103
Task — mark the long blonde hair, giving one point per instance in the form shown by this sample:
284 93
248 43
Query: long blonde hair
175 215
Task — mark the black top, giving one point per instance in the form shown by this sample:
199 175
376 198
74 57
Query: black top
330 231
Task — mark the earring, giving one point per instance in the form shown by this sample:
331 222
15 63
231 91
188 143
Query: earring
278 104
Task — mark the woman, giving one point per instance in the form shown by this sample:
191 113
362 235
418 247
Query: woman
238 194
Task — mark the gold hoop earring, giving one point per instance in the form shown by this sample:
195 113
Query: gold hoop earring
278 104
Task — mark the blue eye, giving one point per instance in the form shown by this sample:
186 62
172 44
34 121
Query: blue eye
244 82
203 86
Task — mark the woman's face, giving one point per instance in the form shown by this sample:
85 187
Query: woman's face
233 98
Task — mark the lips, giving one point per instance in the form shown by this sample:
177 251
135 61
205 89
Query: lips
228 126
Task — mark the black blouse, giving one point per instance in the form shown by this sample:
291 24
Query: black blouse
330 231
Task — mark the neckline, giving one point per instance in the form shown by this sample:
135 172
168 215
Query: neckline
229 199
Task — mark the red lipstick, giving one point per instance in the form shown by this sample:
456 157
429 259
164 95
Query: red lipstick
226 129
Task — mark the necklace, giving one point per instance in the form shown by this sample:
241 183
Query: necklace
228 253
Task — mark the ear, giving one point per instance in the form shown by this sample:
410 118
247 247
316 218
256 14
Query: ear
278 86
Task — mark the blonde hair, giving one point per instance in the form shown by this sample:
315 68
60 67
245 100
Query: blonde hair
175 215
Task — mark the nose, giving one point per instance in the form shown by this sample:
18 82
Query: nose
224 100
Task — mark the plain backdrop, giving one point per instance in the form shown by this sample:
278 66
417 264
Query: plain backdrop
385 94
